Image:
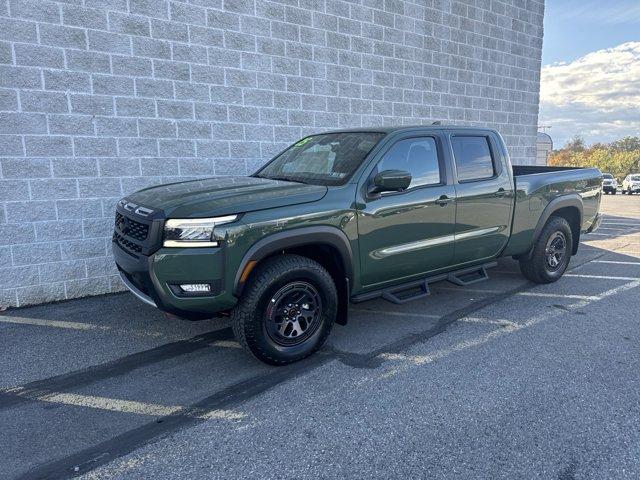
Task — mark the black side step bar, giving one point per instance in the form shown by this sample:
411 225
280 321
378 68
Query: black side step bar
406 292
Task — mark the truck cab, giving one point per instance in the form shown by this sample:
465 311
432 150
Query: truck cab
343 217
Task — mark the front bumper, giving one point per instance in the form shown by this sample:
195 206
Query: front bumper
153 279
609 188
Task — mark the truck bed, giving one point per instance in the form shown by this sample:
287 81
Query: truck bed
537 186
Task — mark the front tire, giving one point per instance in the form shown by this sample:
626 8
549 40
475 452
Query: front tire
286 311
551 252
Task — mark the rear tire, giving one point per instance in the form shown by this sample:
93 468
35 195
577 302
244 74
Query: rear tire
551 252
286 311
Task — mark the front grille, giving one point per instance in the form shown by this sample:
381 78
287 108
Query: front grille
126 226
126 244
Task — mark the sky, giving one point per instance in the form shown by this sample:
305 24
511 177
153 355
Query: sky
590 83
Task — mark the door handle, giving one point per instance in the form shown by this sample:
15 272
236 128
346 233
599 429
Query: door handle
500 193
443 200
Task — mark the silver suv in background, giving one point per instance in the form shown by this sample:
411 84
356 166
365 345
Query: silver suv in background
609 184
631 184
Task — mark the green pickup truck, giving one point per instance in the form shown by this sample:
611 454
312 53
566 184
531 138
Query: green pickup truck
347 216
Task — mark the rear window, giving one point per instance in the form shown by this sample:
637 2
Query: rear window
473 158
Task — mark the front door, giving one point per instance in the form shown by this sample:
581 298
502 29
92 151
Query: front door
404 234
484 196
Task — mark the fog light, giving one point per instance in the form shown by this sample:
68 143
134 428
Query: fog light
195 287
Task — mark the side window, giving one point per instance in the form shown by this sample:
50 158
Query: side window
418 156
473 158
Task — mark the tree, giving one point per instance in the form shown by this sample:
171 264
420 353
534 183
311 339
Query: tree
576 144
618 158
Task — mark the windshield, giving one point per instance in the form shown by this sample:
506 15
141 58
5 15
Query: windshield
607 176
326 159
635 178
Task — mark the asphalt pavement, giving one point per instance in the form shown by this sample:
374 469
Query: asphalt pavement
503 379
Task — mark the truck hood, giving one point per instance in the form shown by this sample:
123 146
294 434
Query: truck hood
213 197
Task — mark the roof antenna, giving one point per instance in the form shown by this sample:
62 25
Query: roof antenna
437 122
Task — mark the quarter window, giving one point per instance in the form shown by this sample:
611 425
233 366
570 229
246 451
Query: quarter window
473 158
418 156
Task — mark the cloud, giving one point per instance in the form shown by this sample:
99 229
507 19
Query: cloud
596 96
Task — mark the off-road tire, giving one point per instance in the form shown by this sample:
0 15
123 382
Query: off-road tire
248 318
536 268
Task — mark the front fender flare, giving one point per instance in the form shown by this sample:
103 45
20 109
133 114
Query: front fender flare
299 237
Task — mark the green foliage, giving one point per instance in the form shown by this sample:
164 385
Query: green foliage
618 158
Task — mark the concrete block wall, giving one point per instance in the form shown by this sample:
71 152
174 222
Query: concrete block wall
99 98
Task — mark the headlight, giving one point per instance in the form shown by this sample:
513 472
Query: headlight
193 232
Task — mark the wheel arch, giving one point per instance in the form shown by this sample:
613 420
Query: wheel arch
570 208
327 245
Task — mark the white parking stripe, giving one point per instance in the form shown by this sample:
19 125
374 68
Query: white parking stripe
622 224
51 323
603 277
473 342
616 262
559 295
123 406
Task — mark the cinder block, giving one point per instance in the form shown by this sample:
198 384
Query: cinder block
79 16
152 8
88 61
48 102
171 70
39 56
156 128
137 147
129 24
147 87
177 148
66 37
15 30
67 81
99 187
109 42
92 104
135 107
18 276
49 146
39 10
74 167
112 85
116 127
175 109
8 101
22 123
58 230
119 167
148 47
134 66
95 147
55 272
169 30
71 125
35 253
26 168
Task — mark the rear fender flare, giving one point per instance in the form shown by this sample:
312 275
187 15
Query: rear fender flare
571 200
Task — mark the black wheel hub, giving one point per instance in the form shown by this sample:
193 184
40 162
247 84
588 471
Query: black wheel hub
293 313
555 251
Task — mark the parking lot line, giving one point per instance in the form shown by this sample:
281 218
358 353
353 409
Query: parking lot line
409 359
124 406
601 277
559 295
51 323
616 262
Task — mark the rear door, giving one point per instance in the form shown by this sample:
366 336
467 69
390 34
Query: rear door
484 195
403 234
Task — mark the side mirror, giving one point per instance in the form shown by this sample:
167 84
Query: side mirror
390 181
